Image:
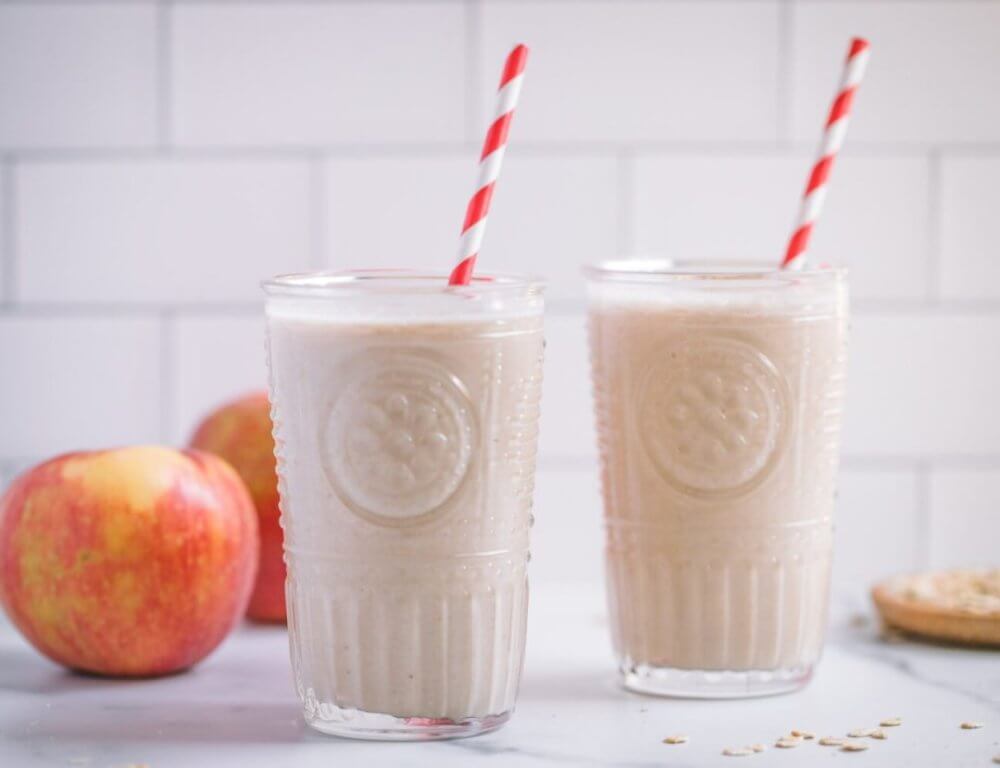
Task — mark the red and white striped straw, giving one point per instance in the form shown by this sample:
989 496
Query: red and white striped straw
833 139
490 160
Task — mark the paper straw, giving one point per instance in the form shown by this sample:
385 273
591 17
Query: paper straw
495 144
833 139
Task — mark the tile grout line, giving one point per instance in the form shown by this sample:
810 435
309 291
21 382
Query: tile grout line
888 307
933 292
472 21
903 462
8 266
920 466
319 255
243 152
168 383
783 89
856 463
923 521
533 147
414 2
422 2
557 307
164 83
122 309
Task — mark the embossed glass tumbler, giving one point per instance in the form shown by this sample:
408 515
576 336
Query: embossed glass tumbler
405 424
718 392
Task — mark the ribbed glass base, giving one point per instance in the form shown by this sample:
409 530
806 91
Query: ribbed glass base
713 684
355 724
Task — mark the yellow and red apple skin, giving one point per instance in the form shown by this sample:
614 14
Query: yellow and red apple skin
127 562
240 432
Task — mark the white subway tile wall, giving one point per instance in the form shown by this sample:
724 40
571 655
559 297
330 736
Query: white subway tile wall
402 210
934 73
970 198
567 540
77 76
923 386
552 213
157 231
740 206
659 71
560 213
73 382
567 424
963 513
308 73
157 159
5 175
211 359
876 535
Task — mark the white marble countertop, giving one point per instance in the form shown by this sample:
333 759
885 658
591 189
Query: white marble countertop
238 708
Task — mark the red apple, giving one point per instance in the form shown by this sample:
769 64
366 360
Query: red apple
135 561
240 432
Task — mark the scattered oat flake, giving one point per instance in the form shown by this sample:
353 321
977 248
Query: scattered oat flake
860 733
891 722
679 739
971 726
758 747
803 734
854 746
787 743
878 733
737 751
996 759
832 741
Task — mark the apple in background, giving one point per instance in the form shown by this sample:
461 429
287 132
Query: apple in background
240 432
135 561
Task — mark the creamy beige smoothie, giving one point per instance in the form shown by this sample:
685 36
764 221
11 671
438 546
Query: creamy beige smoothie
405 430
718 409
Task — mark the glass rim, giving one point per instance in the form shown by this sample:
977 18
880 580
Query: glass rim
662 270
402 282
